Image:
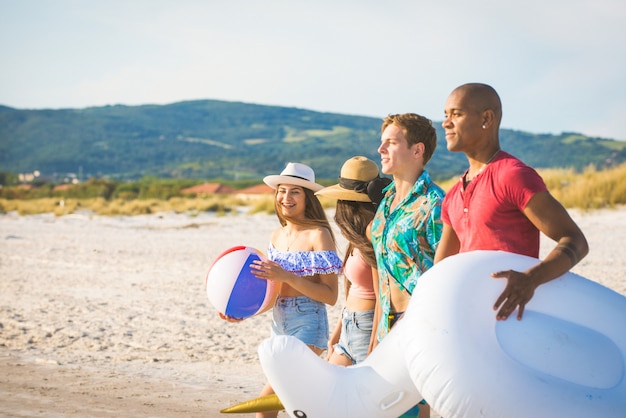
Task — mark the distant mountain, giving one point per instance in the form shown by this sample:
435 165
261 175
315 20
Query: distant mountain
232 140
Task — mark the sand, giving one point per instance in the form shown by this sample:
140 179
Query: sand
108 316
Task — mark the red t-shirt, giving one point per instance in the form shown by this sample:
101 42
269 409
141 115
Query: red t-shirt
488 214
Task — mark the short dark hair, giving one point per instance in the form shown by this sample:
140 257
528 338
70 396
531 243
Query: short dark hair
483 97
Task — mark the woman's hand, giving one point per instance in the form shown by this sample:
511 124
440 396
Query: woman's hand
229 318
269 270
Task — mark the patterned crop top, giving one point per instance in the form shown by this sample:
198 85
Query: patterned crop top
306 263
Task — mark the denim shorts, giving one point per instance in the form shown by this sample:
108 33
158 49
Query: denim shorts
304 318
356 331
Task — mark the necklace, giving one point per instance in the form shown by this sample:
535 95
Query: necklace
289 239
468 178
491 158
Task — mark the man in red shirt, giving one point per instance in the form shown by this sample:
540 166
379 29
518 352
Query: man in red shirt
500 203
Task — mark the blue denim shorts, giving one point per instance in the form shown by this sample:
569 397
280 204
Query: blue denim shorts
356 331
304 318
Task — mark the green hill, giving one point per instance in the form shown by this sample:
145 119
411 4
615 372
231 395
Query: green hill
231 140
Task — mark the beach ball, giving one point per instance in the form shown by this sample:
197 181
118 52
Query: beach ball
233 290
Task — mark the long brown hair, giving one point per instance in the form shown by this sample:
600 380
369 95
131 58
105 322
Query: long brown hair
314 214
353 219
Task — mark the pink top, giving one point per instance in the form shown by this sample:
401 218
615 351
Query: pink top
359 273
488 213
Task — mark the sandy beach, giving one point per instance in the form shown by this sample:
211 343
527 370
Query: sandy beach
108 316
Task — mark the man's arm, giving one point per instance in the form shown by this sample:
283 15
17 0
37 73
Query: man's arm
448 245
551 218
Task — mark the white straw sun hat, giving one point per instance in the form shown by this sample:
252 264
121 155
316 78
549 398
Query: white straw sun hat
297 174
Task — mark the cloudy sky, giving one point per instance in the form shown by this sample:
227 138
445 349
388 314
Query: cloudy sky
559 65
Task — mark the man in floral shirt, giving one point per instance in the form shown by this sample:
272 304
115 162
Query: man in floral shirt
407 226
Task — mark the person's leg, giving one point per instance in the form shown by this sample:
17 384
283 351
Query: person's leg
339 359
304 319
267 390
316 350
340 354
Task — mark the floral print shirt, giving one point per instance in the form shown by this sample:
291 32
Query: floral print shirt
405 240
306 263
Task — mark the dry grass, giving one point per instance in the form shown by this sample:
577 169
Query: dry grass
263 205
591 189
220 204
447 184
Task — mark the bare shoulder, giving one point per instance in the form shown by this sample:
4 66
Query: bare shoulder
317 232
320 239
368 232
275 235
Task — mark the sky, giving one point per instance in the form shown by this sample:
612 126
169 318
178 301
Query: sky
558 65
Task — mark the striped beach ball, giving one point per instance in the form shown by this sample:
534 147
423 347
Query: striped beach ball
233 290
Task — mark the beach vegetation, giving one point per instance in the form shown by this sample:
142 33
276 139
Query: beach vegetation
591 189
263 205
588 189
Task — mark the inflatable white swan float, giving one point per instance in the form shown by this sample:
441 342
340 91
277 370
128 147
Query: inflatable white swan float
565 358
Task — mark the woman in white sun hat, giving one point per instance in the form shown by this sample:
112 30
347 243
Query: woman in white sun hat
303 259
358 193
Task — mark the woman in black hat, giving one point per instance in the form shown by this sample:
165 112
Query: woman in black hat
358 193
